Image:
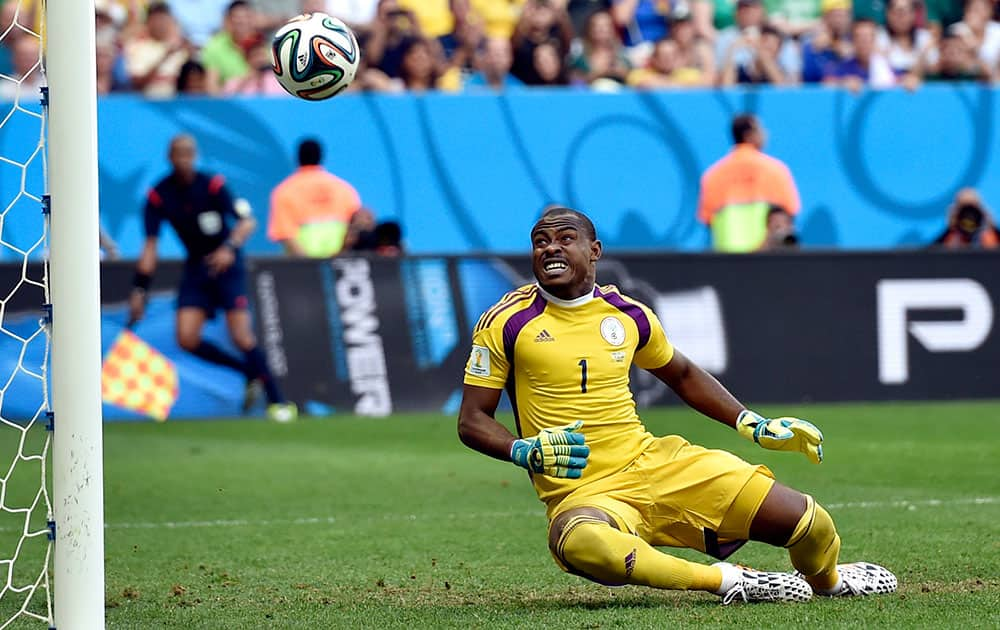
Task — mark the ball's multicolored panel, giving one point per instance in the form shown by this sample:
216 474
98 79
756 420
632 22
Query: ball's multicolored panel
315 56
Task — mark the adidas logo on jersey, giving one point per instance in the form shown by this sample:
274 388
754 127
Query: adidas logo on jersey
544 336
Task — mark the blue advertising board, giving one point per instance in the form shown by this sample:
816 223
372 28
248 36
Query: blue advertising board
469 173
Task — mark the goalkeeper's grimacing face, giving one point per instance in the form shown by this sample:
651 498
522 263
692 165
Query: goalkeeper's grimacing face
564 256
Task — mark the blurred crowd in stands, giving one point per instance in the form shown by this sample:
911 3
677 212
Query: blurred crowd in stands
162 48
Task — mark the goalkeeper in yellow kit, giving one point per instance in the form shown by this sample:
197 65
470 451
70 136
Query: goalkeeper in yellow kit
562 348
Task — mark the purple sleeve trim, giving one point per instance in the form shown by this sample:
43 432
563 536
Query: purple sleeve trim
637 314
495 311
518 321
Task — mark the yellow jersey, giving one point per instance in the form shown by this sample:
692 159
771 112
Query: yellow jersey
562 361
435 16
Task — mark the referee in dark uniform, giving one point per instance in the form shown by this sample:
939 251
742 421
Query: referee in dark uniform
211 228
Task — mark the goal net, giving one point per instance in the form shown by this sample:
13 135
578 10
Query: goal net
25 506
51 479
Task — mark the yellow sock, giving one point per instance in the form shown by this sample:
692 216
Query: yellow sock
815 546
593 549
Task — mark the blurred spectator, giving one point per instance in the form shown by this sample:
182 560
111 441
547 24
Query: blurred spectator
365 235
903 42
873 10
980 31
260 81
493 61
225 54
111 76
154 57
723 15
738 190
423 68
663 69
109 18
499 17
29 15
312 208
393 28
270 15
549 65
793 18
956 61
696 56
830 44
26 61
940 14
192 79
541 22
866 66
199 19
969 224
579 10
388 239
758 54
602 56
642 23
702 17
742 40
780 228
361 232
8 11
434 17
358 13
459 47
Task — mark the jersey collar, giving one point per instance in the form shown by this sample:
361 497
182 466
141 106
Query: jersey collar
575 302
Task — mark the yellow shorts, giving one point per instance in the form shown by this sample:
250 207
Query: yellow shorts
677 494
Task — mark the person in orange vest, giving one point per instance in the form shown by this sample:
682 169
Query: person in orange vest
312 208
739 189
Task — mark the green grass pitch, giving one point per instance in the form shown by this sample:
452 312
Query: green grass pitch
360 523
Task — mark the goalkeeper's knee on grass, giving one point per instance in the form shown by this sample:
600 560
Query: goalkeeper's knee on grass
587 545
814 547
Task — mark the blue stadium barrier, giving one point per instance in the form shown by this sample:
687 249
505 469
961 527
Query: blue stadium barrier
467 173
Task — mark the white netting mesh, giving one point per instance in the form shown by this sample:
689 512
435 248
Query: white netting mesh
25 509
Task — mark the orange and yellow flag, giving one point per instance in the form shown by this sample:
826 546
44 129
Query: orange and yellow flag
137 377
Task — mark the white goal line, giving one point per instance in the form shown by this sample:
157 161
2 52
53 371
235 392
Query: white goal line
330 520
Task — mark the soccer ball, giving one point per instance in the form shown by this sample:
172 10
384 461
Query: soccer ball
315 56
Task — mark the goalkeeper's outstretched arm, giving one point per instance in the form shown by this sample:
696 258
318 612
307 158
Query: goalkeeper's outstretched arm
477 424
555 451
699 389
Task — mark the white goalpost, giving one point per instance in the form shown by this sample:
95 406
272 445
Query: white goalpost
74 280
51 477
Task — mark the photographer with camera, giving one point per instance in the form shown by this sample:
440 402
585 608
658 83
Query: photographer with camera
260 81
781 235
970 225
739 190
759 50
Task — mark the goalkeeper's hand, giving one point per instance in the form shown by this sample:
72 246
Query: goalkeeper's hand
782 434
556 452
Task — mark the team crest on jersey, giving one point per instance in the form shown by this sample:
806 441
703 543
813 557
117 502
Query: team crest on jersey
613 331
479 361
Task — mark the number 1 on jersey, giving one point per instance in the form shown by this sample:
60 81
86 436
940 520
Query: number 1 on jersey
583 375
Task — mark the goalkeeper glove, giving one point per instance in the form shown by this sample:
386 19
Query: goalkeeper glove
782 434
556 452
